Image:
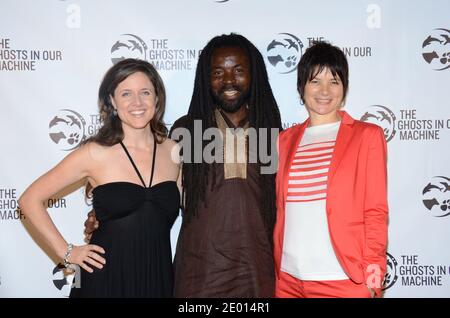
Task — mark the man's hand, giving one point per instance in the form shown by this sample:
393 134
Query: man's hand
90 225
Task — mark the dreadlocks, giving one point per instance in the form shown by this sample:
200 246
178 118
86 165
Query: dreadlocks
263 112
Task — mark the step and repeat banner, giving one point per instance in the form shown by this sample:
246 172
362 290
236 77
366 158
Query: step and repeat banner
53 54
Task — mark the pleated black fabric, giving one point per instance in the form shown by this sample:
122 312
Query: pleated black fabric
135 223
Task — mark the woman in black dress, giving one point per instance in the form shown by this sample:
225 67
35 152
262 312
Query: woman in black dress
132 177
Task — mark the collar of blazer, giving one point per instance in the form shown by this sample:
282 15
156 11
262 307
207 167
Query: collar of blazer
342 140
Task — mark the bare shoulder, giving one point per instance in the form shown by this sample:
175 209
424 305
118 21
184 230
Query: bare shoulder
169 144
172 149
99 153
79 154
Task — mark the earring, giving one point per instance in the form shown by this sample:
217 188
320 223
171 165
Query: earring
115 112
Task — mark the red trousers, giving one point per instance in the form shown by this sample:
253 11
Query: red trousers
288 286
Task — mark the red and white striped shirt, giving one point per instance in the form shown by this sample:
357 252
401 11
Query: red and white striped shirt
309 172
308 253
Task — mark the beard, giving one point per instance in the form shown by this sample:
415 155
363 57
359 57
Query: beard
231 106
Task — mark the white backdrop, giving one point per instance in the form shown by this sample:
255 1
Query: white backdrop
53 55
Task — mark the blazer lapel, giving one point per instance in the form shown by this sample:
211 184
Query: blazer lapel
343 138
291 146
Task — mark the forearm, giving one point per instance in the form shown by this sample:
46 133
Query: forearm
35 212
374 261
376 211
376 223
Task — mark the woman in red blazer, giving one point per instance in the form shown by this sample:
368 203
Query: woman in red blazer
330 237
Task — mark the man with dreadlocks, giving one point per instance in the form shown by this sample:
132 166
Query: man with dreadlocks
225 243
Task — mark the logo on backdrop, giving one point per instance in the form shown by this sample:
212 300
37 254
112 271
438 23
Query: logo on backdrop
284 52
409 126
67 129
59 279
13 58
158 52
436 49
436 196
63 276
391 272
412 272
9 208
383 117
128 46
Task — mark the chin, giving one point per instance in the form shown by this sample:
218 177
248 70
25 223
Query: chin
231 106
230 109
138 125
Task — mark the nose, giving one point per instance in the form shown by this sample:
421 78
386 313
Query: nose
228 77
324 88
137 99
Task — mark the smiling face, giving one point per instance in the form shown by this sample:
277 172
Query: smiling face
135 101
323 97
230 78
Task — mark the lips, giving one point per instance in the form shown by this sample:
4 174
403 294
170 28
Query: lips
230 92
137 113
323 100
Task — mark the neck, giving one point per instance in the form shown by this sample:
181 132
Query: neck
238 117
139 138
316 120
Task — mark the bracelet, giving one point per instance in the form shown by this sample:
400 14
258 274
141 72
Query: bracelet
68 252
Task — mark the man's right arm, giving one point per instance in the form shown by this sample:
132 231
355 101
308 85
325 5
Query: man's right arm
90 225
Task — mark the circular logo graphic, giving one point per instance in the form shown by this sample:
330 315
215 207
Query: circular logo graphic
284 52
59 278
383 117
128 46
391 272
436 49
436 196
67 129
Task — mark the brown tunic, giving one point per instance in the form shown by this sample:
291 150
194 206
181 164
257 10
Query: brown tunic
225 251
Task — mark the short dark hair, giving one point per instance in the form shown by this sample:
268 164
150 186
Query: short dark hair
318 56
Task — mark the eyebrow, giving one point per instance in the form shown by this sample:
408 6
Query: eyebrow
129 89
332 79
220 67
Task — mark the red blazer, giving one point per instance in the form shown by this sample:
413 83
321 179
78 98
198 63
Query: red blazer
356 203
